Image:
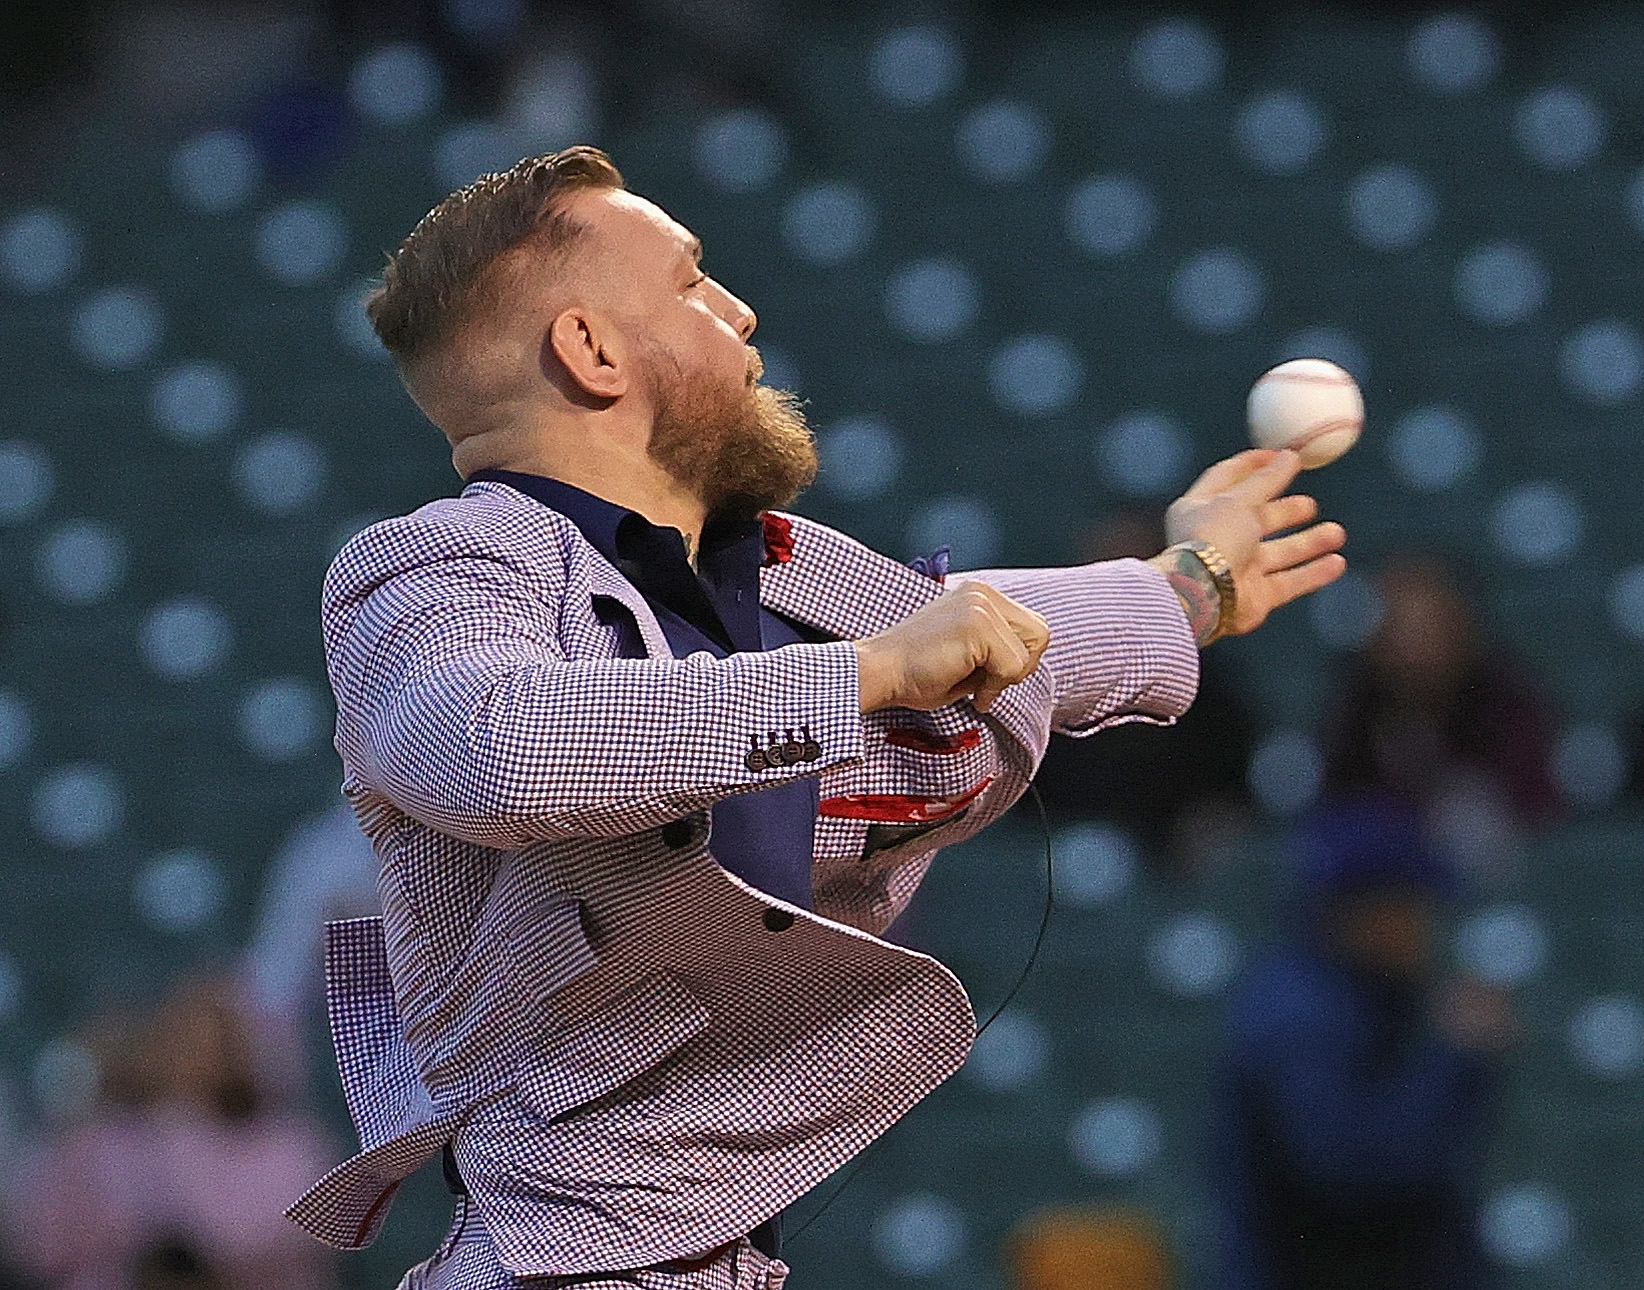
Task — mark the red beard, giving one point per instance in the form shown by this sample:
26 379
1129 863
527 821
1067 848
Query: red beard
740 450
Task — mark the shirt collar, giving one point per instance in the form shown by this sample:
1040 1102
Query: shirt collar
616 532
597 519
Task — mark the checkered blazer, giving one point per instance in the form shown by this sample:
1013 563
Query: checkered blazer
636 1055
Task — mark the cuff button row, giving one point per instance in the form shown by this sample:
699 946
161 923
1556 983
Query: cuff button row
776 752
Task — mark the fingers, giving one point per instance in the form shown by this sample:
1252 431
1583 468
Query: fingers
985 693
1004 657
1287 512
1233 470
1030 628
1298 548
1008 642
1241 506
1268 481
1291 584
973 641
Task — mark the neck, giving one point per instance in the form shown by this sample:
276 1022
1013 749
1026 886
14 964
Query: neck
619 472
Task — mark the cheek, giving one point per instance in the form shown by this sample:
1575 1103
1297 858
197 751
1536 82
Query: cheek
713 331
716 348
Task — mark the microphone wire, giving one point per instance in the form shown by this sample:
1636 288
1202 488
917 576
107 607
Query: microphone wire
1021 978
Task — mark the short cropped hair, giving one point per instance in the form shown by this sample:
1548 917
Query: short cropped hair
438 278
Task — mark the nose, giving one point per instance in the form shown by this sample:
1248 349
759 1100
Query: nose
737 313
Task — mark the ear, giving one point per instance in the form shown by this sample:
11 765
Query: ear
591 351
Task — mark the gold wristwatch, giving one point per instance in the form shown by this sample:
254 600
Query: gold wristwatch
1221 573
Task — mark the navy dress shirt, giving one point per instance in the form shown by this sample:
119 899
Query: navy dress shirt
765 837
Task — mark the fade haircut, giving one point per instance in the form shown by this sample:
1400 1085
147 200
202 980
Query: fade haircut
441 275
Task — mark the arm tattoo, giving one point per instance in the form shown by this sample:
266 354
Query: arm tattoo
1195 588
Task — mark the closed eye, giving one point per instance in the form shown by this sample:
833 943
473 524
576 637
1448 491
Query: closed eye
694 251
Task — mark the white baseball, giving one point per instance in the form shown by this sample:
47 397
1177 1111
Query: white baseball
1308 404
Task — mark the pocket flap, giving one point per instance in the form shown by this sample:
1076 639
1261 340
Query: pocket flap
651 1020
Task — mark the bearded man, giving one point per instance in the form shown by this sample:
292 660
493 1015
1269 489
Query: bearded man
650 765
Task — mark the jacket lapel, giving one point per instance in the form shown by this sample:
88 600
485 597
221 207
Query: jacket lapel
604 580
838 586
585 565
818 577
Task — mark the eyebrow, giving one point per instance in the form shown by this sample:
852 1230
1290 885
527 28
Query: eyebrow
694 249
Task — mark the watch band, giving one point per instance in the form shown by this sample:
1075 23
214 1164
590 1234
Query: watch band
1221 574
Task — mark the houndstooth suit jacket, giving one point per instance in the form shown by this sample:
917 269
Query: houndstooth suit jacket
636 1055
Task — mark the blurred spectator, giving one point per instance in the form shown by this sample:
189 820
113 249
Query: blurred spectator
1355 1092
1089 1248
324 870
179 1174
1180 789
172 1266
1436 717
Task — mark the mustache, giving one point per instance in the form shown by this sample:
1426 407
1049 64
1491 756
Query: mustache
740 451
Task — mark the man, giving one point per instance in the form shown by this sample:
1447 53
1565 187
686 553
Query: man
649 765
1356 1087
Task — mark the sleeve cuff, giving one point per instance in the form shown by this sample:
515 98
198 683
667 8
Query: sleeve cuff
1121 648
810 720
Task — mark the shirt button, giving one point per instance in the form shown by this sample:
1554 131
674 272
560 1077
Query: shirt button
777 920
679 833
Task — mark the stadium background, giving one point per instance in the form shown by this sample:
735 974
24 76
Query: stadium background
1023 262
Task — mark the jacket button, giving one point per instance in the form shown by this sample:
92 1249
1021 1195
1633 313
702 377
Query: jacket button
778 920
678 833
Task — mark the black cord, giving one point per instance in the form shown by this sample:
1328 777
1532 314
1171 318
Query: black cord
1044 919
1027 969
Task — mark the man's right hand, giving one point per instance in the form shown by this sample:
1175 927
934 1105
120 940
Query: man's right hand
1239 506
970 643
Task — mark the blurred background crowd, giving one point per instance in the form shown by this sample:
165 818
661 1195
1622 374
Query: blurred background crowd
1342 984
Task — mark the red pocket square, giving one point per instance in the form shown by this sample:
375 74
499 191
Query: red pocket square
899 808
926 742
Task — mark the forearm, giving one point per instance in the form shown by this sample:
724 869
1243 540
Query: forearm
458 700
1121 646
504 750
